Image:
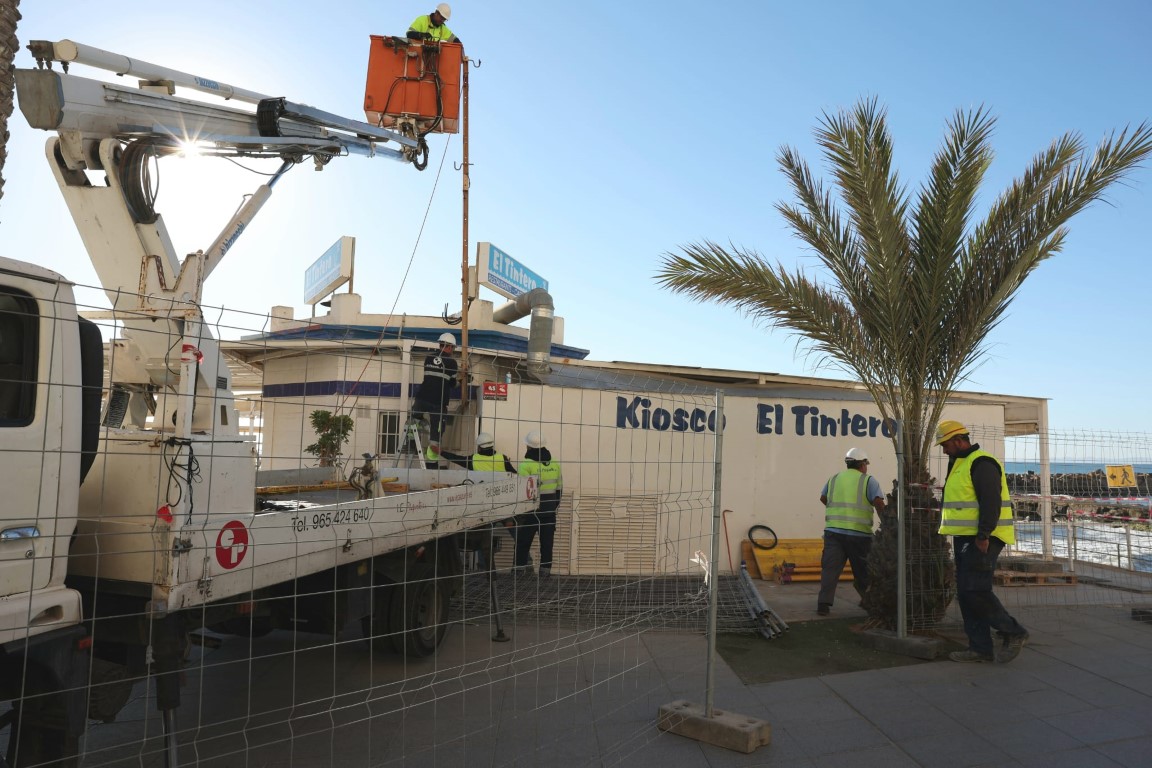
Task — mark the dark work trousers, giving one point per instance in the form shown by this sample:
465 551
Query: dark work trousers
840 548
526 528
436 418
980 608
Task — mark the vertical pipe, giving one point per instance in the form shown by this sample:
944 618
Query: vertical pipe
713 586
1071 544
1128 542
1045 485
465 182
901 540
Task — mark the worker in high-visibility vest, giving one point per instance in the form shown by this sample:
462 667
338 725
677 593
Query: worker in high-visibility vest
977 514
538 461
432 26
848 498
486 459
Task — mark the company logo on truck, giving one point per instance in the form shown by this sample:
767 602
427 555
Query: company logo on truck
231 544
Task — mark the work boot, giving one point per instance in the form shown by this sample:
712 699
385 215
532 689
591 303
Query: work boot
970 657
545 572
1011 647
824 609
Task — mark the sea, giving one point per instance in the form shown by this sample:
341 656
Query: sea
1097 542
1069 467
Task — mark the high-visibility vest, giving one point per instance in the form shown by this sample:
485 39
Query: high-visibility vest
848 505
550 479
961 515
424 24
484 463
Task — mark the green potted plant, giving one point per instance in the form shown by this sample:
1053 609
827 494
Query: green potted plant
331 433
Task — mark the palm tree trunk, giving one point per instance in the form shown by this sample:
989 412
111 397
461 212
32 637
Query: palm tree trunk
9 16
930 574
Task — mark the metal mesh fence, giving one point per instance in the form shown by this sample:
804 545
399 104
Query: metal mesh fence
220 590
1080 503
191 579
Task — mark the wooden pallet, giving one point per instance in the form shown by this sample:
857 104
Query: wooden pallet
806 573
1035 579
749 557
803 553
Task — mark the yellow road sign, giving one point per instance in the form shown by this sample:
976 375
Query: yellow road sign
1120 476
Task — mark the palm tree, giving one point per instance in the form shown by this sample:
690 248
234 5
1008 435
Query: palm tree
9 16
914 284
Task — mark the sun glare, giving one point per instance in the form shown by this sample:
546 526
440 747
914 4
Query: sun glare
190 149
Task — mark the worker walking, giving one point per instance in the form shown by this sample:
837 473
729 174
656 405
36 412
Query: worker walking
486 459
432 26
538 461
440 371
977 515
848 498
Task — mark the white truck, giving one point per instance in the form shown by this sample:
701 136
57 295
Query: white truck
130 515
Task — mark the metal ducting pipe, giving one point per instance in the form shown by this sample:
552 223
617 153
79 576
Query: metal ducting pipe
538 302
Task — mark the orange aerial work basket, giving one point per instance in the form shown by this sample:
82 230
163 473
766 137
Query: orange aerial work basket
414 81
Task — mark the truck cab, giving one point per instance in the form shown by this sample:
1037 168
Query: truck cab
50 377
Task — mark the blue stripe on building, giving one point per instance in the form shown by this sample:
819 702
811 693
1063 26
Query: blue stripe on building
494 341
348 388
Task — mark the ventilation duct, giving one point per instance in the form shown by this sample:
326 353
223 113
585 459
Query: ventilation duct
538 302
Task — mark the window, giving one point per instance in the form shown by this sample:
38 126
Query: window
19 341
388 432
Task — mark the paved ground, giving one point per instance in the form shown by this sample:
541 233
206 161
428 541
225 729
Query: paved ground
558 695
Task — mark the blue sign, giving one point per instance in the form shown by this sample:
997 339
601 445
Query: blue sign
330 271
504 274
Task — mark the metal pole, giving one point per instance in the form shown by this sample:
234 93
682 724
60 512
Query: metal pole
465 182
1046 549
1071 544
901 555
713 586
1128 541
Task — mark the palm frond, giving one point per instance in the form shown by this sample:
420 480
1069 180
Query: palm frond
910 294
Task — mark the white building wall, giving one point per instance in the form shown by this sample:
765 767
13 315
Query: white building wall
638 466
773 468
773 472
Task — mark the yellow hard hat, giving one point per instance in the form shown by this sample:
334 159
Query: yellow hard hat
948 430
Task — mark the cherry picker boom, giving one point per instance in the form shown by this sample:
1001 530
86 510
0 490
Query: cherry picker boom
130 515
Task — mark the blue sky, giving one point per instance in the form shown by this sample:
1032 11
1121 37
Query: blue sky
605 134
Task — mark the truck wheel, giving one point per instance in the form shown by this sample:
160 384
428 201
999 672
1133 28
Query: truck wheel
419 613
39 736
109 690
376 625
247 626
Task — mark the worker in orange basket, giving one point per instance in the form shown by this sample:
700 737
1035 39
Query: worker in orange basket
432 26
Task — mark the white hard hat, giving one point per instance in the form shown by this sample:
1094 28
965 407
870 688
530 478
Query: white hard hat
444 10
485 440
447 338
855 454
534 439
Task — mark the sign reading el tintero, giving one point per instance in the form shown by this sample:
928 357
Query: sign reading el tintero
330 271
504 274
